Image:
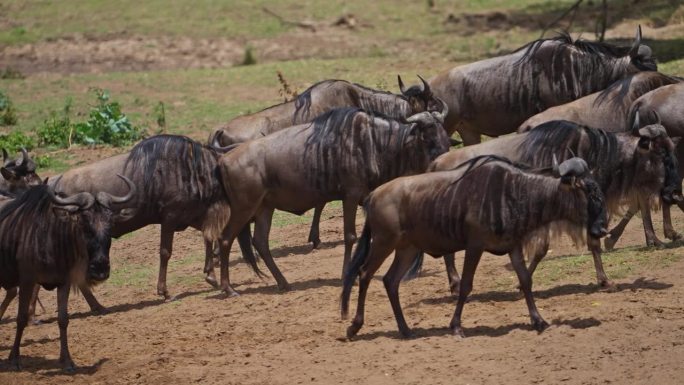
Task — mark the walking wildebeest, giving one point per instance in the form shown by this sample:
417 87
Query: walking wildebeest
179 187
55 242
627 165
608 108
486 204
320 98
662 106
342 155
494 96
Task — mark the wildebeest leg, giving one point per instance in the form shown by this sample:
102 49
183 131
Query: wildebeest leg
314 235
63 322
209 275
379 250
601 277
349 205
32 305
262 229
470 262
92 301
539 254
9 296
525 279
238 223
403 260
25 291
452 273
645 207
616 232
670 232
165 249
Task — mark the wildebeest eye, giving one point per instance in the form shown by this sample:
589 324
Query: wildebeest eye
644 143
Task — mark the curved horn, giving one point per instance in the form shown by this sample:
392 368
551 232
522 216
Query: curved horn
571 152
401 85
115 199
24 157
555 166
634 51
84 200
421 117
573 167
216 143
426 86
441 115
657 117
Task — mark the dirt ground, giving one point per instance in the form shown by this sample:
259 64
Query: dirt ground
634 335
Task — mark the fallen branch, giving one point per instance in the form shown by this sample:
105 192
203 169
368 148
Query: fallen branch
306 25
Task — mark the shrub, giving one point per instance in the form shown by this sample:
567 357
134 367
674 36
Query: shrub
8 115
249 58
15 140
106 124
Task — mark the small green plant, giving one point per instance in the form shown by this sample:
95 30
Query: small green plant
249 58
106 124
8 115
160 113
11 73
57 128
15 140
44 161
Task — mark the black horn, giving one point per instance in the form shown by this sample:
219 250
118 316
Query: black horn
216 144
573 167
556 172
441 115
401 85
426 86
105 198
634 51
82 200
635 124
24 157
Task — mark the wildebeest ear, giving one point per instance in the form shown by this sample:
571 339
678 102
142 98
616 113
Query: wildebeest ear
8 174
64 210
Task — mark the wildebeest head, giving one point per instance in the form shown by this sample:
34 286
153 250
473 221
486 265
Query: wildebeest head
19 173
641 55
93 215
656 149
428 129
420 97
574 173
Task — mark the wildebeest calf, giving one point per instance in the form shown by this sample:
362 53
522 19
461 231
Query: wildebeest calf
57 243
487 204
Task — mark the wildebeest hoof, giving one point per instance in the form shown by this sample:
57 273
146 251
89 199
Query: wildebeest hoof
285 287
315 243
171 298
212 281
231 293
69 367
352 330
655 243
673 235
540 325
15 364
609 243
101 310
607 286
457 332
407 334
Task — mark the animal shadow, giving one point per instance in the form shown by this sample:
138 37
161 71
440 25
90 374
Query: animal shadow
49 367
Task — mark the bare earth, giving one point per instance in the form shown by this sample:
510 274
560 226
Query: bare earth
634 335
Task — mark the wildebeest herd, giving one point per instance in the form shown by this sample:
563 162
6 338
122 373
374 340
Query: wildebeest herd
598 137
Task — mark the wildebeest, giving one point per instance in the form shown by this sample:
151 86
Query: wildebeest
55 242
342 155
320 98
17 174
608 108
179 188
662 106
485 204
494 96
626 166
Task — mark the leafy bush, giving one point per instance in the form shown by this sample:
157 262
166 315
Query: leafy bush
106 124
249 58
15 140
8 115
57 128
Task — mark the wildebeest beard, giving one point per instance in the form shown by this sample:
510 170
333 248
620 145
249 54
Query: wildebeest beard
376 153
571 68
512 201
172 162
385 103
31 230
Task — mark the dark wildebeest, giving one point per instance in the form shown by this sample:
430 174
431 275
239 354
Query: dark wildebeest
660 106
320 98
179 187
627 166
17 176
55 242
608 108
342 155
494 96
486 204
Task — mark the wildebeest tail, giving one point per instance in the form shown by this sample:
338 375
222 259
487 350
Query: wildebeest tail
245 242
416 268
359 258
